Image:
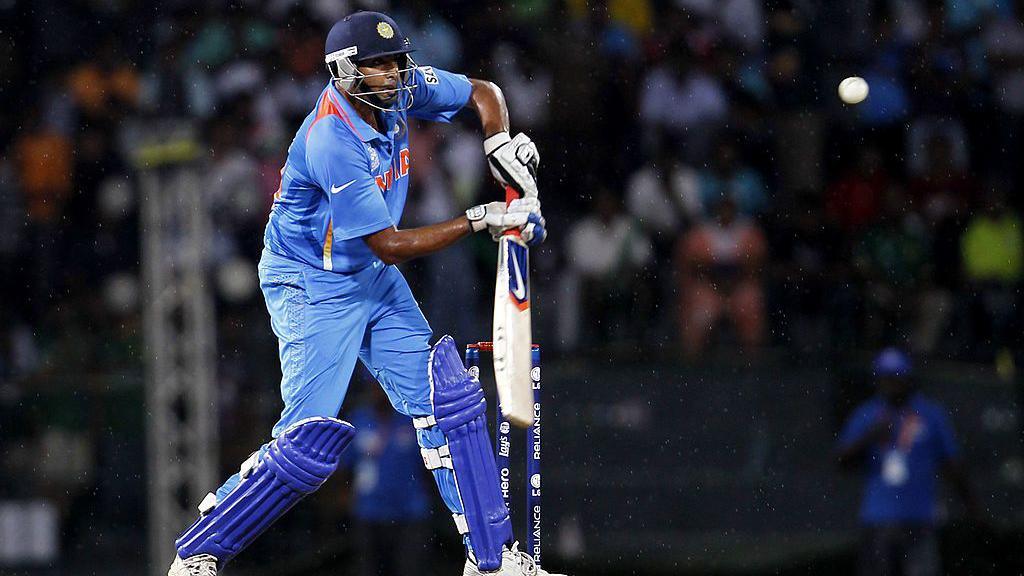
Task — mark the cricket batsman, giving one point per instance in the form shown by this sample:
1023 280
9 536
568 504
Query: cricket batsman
334 295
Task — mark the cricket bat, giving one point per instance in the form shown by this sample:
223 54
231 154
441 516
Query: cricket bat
512 338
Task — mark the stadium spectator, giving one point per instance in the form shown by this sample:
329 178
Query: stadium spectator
901 442
528 84
854 200
607 252
720 263
43 157
943 195
682 99
729 176
1003 41
892 260
992 248
233 190
104 87
663 194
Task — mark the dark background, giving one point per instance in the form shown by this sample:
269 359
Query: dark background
892 222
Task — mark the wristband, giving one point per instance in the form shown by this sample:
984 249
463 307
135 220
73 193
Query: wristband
475 215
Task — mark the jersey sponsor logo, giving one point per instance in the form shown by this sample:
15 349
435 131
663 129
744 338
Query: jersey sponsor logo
429 76
386 180
336 189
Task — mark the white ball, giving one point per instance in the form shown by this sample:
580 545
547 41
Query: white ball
853 90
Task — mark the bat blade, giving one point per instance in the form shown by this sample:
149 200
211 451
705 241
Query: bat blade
512 336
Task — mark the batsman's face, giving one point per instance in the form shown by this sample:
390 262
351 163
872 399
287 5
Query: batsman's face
381 74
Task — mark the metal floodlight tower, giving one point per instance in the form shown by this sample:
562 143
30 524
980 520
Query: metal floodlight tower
180 344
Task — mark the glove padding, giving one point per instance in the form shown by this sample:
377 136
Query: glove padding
534 232
521 213
514 161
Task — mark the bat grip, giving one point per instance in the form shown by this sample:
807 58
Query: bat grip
510 195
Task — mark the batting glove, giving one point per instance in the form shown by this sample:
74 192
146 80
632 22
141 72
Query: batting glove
534 231
514 161
495 217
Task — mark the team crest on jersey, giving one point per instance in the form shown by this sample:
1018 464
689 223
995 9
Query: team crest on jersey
429 76
385 30
374 158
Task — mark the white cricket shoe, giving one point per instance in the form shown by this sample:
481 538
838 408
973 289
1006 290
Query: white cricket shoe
513 563
201 565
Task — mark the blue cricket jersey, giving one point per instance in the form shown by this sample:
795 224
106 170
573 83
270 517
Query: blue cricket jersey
902 472
344 180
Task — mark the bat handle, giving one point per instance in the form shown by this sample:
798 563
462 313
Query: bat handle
510 195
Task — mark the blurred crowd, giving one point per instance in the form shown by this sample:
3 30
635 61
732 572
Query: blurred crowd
746 205
698 169
705 188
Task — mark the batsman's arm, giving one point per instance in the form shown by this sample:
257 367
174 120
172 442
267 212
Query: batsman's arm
487 100
513 161
394 246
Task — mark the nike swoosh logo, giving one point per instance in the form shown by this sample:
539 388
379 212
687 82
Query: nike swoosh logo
336 189
520 290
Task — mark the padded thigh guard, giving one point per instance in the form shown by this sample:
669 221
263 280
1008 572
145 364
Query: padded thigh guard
460 412
295 464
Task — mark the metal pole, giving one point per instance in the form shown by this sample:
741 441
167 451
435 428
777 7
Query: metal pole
180 335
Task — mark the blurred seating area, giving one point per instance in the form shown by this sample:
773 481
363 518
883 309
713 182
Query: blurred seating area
706 191
893 221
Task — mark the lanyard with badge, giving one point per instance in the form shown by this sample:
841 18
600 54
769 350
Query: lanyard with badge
895 470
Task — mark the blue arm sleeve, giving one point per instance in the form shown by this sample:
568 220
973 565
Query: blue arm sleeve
439 94
339 165
856 426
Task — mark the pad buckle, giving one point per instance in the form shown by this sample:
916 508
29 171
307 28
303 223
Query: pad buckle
461 524
424 422
434 458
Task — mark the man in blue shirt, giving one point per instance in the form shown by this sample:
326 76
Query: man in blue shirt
334 297
390 533
904 441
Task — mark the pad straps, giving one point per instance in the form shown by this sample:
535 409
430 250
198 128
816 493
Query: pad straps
296 463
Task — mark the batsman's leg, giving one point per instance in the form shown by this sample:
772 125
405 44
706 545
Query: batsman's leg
448 410
458 426
319 331
298 462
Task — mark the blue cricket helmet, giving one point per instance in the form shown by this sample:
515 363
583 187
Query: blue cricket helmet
892 362
363 36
